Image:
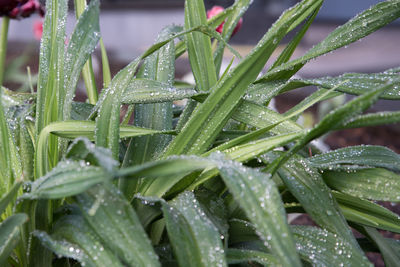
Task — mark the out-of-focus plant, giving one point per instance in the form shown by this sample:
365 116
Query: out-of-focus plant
209 184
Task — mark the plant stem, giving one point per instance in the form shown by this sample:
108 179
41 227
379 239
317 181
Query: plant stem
87 71
3 45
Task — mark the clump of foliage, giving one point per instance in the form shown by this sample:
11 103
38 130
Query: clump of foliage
209 184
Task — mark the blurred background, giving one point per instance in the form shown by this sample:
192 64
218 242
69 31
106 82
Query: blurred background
129 26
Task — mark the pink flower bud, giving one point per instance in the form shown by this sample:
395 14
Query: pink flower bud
38 29
215 11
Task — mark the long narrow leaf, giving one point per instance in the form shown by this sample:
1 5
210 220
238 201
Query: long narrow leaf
194 238
83 41
322 248
73 238
116 223
258 196
9 234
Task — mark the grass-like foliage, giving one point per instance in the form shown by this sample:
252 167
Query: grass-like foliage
207 184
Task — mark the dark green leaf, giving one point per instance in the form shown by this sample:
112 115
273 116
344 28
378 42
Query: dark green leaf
307 185
323 248
237 256
73 238
8 197
390 256
9 234
373 156
367 213
83 41
374 184
68 178
194 238
258 196
116 223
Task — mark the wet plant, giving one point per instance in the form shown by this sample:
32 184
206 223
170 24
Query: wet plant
208 183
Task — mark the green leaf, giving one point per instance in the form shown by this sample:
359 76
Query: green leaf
357 83
237 256
163 174
307 185
334 120
158 68
68 178
73 238
372 156
238 9
291 47
10 168
9 234
199 46
80 111
71 130
50 85
360 26
194 238
389 255
107 120
83 41
143 91
373 119
367 213
8 197
261 117
323 248
374 184
169 167
116 223
258 196
215 209
210 117
83 149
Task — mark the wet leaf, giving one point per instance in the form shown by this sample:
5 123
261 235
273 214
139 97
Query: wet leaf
374 184
323 248
9 234
113 219
369 156
194 238
73 238
258 196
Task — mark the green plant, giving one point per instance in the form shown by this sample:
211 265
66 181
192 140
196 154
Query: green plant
81 187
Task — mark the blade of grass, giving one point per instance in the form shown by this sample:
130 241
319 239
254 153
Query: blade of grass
50 86
83 41
199 46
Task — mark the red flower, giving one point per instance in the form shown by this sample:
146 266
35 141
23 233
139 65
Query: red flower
215 11
17 9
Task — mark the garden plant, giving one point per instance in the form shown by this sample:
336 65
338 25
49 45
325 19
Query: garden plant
128 178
